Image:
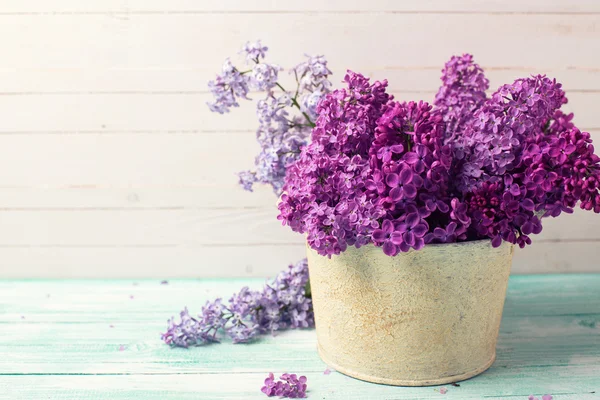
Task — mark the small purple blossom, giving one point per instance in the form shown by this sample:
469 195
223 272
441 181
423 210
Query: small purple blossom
227 88
288 385
254 51
544 397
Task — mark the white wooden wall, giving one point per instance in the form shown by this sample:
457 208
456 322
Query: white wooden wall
112 165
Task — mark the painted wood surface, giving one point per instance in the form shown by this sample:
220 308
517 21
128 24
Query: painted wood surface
62 340
107 147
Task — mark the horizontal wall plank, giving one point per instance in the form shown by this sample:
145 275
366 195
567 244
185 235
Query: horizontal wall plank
127 160
176 40
147 227
227 195
193 80
256 6
235 261
141 113
198 227
151 262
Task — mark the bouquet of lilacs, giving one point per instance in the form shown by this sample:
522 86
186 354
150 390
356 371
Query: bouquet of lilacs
285 118
401 175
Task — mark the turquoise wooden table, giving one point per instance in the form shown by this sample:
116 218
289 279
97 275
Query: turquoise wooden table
85 339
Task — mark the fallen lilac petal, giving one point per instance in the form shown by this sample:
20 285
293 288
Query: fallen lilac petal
111 326
547 397
164 282
443 390
122 348
327 371
131 297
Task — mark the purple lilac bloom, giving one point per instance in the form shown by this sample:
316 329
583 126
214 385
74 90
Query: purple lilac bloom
227 88
462 92
254 51
285 117
288 385
402 175
282 304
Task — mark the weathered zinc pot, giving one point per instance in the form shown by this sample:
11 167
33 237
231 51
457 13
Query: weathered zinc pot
425 317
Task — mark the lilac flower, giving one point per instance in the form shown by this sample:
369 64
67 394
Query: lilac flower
227 88
401 184
264 76
254 51
289 385
442 235
312 74
386 238
281 132
282 304
544 397
462 92
413 229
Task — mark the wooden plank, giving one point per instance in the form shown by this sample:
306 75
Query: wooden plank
228 195
176 226
151 227
164 261
208 160
105 302
159 160
519 346
27 7
150 40
182 80
548 344
162 114
494 384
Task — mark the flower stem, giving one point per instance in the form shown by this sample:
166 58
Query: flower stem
295 103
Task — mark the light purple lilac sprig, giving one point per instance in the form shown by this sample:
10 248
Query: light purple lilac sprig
289 385
285 117
282 304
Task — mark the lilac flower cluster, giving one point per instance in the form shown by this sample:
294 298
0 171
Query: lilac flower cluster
402 175
462 92
288 385
282 304
281 132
